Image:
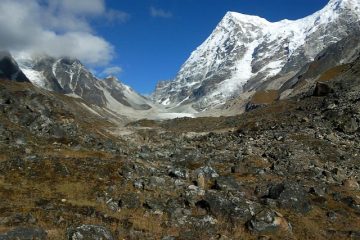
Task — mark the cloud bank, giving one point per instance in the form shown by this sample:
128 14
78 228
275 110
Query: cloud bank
57 28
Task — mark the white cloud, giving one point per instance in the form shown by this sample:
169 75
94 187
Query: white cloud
56 28
111 71
158 12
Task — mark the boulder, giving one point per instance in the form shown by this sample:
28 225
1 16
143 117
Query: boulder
268 221
351 184
322 89
290 195
25 233
89 232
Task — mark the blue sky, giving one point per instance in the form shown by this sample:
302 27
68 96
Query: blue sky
159 35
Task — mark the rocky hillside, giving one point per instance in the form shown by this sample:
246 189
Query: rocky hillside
9 69
288 170
244 52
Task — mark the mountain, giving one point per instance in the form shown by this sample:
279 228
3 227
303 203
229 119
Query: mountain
247 53
70 76
9 69
327 65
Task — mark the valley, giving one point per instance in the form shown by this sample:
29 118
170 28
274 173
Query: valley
257 137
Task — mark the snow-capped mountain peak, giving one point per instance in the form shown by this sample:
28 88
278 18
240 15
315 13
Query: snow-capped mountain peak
245 51
70 76
244 18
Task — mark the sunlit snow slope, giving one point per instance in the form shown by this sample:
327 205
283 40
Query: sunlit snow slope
245 51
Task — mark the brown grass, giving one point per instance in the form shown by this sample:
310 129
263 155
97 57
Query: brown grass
332 73
81 154
265 97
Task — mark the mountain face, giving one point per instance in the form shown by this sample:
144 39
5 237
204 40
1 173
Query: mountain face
244 52
9 69
326 65
69 76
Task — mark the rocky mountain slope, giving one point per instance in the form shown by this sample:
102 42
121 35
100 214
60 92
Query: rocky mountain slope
327 64
9 69
244 52
69 76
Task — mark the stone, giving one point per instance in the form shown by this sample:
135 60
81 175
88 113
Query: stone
322 89
221 205
201 181
350 125
89 232
129 200
156 182
139 184
351 184
268 221
169 238
179 173
290 195
227 183
25 233
207 171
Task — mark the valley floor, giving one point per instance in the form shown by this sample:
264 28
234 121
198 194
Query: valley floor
286 171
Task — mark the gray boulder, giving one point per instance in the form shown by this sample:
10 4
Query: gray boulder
89 232
25 233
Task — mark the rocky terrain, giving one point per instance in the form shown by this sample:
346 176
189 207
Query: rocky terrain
285 170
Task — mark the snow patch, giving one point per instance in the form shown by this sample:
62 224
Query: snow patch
35 77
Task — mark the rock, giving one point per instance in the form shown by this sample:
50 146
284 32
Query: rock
252 106
317 191
350 125
89 232
113 205
201 181
275 191
322 89
25 233
351 184
207 171
220 237
264 237
154 205
227 183
139 184
221 205
195 191
236 169
268 221
290 195
129 200
352 202
208 220
155 183
169 238
179 173
331 215
204 175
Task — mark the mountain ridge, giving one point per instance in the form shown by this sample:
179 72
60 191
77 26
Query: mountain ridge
240 54
69 76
